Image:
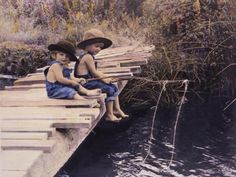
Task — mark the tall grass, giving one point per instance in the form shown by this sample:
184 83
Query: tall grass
194 40
37 23
42 22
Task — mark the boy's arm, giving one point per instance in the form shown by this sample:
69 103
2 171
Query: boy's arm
57 70
79 80
89 62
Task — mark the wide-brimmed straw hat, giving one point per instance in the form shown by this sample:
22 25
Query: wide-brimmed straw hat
65 47
93 36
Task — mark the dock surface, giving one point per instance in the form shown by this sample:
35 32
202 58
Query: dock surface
38 135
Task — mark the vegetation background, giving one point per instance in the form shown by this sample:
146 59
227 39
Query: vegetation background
193 39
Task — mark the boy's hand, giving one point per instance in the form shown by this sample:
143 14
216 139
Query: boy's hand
107 80
74 83
82 81
114 80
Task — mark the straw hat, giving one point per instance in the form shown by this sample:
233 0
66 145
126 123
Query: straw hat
93 36
65 47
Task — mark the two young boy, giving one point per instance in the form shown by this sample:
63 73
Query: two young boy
61 84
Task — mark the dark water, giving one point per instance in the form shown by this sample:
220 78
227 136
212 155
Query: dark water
5 82
205 145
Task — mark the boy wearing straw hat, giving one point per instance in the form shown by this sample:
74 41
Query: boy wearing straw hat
60 83
85 67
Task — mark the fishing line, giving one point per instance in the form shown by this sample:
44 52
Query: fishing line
176 122
229 104
153 121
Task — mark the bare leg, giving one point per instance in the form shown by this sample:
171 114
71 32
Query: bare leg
78 97
118 110
87 92
110 115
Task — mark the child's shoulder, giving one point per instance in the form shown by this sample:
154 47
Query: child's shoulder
55 65
87 57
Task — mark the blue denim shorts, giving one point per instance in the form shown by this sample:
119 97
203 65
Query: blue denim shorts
59 91
110 89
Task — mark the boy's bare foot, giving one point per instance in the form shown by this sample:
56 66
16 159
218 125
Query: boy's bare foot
121 114
97 105
94 92
78 97
112 118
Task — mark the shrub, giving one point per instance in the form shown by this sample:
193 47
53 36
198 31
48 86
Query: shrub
193 40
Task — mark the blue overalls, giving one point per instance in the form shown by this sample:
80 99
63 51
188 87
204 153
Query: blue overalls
110 89
59 90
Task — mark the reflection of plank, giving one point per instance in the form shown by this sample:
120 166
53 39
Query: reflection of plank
23 136
53 113
43 145
18 160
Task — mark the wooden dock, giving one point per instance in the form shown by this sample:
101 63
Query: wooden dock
38 134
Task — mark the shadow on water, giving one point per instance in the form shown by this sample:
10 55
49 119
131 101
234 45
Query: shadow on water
205 145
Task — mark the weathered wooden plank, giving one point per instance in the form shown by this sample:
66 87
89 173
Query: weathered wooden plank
133 63
23 136
34 93
24 87
37 79
68 123
71 123
35 129
108 65
133 69
111 55
41 69
35 102
124 51
42 145
7 173
25 123
35 74
125 63
117 75
115 51
37 113
104 70
30 80
129 57
16 160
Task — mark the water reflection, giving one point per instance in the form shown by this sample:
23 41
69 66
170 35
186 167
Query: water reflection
205 146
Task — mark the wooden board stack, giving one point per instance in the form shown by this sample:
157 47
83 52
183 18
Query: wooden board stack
32 143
